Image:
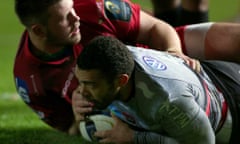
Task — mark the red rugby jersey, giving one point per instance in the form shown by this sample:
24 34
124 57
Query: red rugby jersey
46 86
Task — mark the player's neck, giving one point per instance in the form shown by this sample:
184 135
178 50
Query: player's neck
48 56
40 45
127 91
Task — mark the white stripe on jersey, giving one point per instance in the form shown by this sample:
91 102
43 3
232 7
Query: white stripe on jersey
194 39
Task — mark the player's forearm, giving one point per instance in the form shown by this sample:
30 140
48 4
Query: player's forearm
164 37
158 34
152 138
73 129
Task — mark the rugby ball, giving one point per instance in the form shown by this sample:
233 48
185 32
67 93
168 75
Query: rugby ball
98 122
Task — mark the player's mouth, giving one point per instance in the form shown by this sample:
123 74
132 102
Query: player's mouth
76 29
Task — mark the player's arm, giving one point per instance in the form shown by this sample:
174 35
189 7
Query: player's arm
217 41
161 36
49 105
141 137
183 121
53 110
223 42
180 120
186 122
158 34
122 133
80 107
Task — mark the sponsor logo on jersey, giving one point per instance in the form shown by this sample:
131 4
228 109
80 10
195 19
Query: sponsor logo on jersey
22 89
154 63
180 117
117 10
68 83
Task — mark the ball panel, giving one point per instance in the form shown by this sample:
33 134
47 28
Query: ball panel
83 130
95 123
102 119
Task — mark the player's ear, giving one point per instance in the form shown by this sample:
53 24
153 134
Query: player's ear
38 30
123 79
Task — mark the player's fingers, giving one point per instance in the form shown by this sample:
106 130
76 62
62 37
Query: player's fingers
195 65
81 107
79 118
101 134
198 66
82 110
82 103
76 94
106 141
106 138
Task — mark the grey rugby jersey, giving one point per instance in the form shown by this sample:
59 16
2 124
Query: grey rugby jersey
173 100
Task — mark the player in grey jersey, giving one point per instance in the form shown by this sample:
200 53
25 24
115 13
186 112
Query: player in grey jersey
175 104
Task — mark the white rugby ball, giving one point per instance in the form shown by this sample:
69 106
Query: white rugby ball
95 123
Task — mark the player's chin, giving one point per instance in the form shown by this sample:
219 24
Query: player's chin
75 39
75 36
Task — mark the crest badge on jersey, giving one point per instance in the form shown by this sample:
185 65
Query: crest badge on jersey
22 89
117 10
154 63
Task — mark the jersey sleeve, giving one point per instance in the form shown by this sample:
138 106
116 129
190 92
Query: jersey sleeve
141 137
133 23
183 120
123 17
51 107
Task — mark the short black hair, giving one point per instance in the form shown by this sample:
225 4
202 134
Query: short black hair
108 55
33 11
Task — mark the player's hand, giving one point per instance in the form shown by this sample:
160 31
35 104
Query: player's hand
191 62
119 134
80 106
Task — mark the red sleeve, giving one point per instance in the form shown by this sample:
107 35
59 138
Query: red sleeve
131 32
180 31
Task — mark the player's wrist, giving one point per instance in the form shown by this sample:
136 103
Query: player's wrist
73 129
137 137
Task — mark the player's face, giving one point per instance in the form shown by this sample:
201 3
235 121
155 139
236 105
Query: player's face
63 24
94 87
